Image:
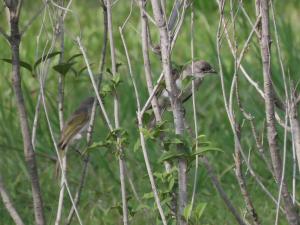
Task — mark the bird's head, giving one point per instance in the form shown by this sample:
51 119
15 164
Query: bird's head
200 69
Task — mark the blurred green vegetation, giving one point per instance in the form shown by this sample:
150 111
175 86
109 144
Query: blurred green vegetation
101 196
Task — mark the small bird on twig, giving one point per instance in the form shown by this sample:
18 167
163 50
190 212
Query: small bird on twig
183 80
76 124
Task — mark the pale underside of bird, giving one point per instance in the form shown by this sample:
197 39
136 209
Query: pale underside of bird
77 123
196 72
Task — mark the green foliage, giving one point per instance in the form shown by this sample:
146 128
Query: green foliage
114 141
100 200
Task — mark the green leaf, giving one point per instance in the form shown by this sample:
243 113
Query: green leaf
63 68
44 58
171 183
116 80
200 209
73 57
170 155
98 144
137 146
81 70
106 88
23 64
206 149
148 195
187 212
148 133
117 207
109 71
118 65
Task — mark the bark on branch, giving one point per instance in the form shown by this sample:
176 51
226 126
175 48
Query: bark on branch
15 39
291 212
176 104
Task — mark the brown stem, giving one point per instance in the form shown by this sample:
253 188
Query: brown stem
291 212
295 125
9 205
15 39
242 182
216 183
91 124
176 105
117 115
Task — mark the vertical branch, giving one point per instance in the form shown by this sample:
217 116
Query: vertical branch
295 125
291 212
15 39
9 205
194 110
61 76
147 67
174 14
116 114
221 4
91 124
241 180
214 180
142 138
176 105
59 29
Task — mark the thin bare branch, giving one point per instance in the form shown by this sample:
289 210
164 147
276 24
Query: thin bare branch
117 113
91 124
221 191
15 39
221 4
35 16
59 32
8 204
6 36
142 138
291 213
65 182
194 109
176 104
103 111
239 174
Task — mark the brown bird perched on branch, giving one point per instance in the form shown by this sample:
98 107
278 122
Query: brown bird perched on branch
76 124
183 79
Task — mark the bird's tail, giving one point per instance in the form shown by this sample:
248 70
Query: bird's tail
58 168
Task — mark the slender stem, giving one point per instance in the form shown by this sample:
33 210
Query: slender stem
176 105
221 191
60 33
91 124
57 152
291 213
242 182
15 39
142 138
9 205
117 114
194 109
221 4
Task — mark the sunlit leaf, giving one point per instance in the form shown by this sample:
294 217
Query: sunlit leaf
63 68
168 155
44 58
187 212
23 64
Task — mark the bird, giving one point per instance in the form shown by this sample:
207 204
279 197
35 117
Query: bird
201 69
76 124
183 81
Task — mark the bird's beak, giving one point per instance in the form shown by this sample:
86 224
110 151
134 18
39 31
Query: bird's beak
212 71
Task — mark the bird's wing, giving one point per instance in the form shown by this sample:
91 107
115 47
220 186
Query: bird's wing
186 90
72 127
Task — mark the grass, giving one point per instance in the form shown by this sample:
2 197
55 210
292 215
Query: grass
101 196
